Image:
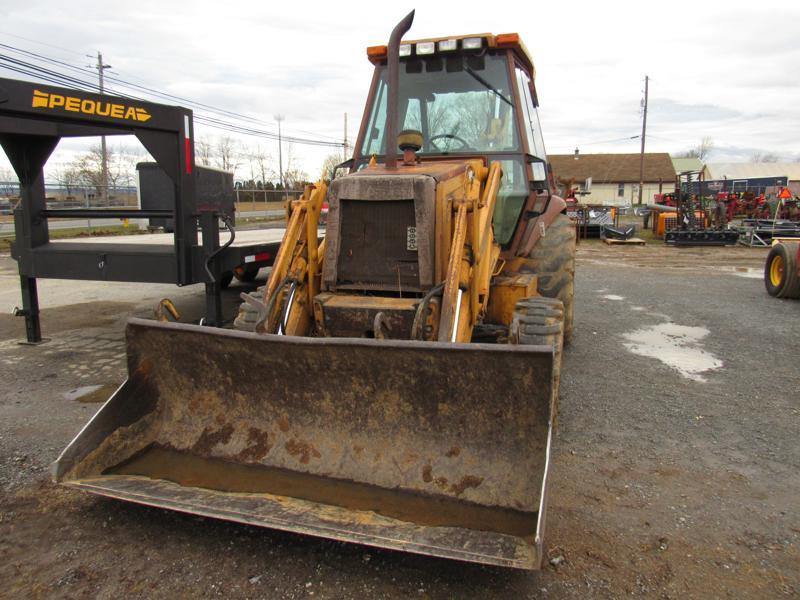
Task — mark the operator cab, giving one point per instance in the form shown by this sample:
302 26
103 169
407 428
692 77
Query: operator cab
470 96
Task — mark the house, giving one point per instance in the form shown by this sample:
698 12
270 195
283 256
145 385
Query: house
615 177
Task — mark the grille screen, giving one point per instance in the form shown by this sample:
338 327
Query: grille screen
375 244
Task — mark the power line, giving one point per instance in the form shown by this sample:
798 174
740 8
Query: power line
61 79
150 90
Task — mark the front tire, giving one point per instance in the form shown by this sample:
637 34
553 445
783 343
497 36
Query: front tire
553 261
539 321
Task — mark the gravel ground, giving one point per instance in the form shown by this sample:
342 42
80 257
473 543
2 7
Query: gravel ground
664 484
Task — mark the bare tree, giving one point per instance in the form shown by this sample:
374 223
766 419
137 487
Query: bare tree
701 151
87 169
68 177
261 168
7 175
9 183
329 164
293 176
228 157
764 157
202 152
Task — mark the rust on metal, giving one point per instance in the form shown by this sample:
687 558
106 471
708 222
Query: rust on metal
427 435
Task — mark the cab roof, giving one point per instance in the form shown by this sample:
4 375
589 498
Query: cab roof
455 44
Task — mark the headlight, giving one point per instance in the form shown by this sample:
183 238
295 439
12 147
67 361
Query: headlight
475 43
425 48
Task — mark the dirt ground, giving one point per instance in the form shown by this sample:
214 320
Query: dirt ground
667 482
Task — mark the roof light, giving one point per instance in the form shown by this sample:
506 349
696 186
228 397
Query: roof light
507 39
426 48
474 43
405 50
376 53
447 45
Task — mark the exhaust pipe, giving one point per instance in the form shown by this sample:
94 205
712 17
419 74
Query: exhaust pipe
394 83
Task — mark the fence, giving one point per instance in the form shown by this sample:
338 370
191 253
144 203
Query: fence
59 196
266 196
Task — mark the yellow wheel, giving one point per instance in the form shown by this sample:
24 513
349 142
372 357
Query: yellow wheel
776 270
781 274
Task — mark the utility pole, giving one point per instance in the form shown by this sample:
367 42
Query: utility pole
103 150
279 118
644 130
344 156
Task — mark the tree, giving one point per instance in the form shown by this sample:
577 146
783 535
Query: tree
68 177
261 165
764 157
228 157
202 152
701 151
293 176
9 183
329 164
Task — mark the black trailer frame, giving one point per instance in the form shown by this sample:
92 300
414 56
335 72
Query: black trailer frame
33 119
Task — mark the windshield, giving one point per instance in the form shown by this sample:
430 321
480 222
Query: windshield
458 103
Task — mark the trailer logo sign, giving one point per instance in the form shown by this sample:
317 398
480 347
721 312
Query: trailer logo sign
89 107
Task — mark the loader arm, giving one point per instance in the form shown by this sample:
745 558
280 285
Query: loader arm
294 280
473 255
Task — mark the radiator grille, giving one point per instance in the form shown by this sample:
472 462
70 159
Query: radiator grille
374 245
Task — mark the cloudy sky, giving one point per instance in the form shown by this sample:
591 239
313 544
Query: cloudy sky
726 70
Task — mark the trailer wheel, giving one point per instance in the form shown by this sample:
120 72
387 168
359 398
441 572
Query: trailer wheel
780 272
539 321
553 261
246 274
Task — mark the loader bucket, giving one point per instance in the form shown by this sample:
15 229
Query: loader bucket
437 449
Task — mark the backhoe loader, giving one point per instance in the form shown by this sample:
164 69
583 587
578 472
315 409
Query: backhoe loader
398 386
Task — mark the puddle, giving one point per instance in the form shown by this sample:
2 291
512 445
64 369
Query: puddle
613 297
746 272
91 394
677 346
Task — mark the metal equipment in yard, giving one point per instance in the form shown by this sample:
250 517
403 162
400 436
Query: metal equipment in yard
33 120
782 269
710 229
399 386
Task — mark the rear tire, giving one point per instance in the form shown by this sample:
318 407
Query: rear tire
780 272
539 321
553 261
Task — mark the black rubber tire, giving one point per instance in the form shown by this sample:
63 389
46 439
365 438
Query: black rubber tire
553 261
788 285
248 274
247 316
539 321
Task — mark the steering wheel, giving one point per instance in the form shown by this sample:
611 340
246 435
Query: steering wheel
449 136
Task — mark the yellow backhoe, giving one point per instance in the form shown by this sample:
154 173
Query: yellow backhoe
398 386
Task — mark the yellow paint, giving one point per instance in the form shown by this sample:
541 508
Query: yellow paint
87 106
776 270
506 291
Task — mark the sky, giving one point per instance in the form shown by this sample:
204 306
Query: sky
725 70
